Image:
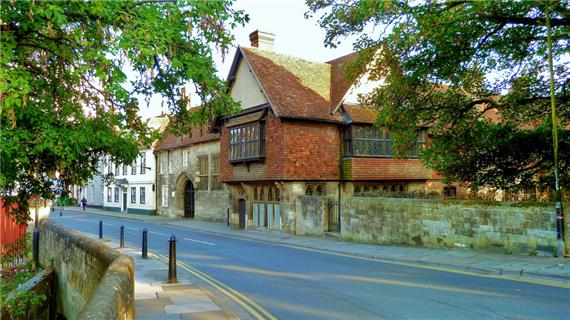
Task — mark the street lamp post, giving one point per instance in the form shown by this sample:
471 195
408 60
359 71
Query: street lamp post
560 251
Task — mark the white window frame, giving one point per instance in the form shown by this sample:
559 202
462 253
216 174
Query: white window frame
164 202
160 165
169 162
185 158
142 195
133 194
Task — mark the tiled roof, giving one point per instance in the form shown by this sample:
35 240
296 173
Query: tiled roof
340 80
295 87
196 135
360 114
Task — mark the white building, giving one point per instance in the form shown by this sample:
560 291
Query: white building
133 189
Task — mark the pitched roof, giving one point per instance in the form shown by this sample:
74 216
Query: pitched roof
196 135
295 87
360 114
340 80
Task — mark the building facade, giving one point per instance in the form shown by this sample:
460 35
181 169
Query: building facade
94 189
301 132
188 177
133 188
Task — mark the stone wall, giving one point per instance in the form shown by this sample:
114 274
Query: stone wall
43 283
93 280
504 227
210 204
311 215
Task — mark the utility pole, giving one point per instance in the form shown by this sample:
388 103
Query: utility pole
560 243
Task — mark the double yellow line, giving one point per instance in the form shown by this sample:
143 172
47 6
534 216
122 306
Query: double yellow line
253 308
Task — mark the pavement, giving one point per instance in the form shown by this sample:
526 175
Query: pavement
548 269
155 298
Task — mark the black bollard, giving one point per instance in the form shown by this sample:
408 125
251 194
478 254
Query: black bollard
100 229
172 260
122 242
36 245
144 244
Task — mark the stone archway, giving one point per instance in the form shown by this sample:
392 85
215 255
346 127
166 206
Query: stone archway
180 188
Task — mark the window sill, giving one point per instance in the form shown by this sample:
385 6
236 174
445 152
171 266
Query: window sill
245 160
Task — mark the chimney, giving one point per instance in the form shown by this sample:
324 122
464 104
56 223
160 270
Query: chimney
262 40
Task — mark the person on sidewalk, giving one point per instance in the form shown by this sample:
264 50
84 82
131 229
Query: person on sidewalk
84 203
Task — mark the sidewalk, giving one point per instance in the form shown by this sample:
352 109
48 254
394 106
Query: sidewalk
155 298
463 260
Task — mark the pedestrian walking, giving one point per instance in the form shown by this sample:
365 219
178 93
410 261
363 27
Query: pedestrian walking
84 203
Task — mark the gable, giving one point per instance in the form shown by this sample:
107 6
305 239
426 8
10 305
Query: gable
245 87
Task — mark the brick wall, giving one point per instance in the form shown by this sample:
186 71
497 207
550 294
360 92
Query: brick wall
312 151
384 169
269 169
294 150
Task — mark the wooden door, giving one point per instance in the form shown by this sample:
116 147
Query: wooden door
189 200
242 214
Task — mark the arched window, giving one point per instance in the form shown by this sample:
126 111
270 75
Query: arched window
357 189
255 194
277 195
261 195
393 188
366 189
309 191
319 190
270 195
401 188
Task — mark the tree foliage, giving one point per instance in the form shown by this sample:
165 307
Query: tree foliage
475 72
66 99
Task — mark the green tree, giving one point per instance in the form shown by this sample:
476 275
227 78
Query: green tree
65 96
475 72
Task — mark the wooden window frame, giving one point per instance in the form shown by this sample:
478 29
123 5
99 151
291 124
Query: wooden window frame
203 172
215 183
244 148
350 140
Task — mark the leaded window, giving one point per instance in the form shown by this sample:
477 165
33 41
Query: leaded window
215 170
203 169
368 140
246 142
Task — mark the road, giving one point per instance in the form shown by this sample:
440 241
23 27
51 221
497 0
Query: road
291 283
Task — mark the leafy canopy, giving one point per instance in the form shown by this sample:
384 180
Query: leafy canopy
475 72
65 96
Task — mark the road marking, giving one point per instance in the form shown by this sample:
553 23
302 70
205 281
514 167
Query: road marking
239 298
443 269
204 242
132 228
107 224
159 233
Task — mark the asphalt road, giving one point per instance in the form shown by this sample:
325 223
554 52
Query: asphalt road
290 283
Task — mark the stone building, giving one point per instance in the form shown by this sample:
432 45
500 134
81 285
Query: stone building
188 177
301 132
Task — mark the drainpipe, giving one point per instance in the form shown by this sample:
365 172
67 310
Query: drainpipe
341 180
155 181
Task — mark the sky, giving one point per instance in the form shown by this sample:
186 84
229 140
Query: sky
294 35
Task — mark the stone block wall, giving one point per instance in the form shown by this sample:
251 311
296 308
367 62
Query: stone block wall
93 280
310 215
502 227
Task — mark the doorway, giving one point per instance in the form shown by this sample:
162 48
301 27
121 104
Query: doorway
189 200
242 213
124 202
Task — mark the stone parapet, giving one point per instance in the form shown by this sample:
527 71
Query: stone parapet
93 280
